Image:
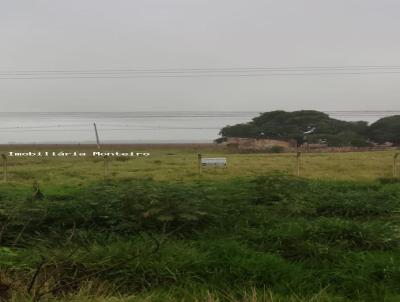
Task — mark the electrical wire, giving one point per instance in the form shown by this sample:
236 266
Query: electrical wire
199 72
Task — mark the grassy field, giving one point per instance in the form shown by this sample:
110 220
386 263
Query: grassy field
180 164
155 230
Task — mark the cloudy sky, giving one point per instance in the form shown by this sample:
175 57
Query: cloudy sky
49 35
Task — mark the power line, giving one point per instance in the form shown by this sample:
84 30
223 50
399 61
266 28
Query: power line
198 72
208 69
39 127
197 75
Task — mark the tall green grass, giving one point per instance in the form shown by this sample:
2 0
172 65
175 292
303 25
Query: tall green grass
269 238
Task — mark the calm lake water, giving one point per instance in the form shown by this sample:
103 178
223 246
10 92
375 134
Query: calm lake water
135 127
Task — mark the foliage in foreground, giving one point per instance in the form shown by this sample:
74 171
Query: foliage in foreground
211 241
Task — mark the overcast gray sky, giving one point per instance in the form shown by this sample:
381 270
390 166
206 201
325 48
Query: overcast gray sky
164 34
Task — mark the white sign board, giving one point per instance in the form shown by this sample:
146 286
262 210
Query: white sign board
213 162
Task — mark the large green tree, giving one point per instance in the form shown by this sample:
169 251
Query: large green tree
305 125
385 130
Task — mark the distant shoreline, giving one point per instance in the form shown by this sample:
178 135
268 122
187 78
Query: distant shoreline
91 145
135 128
131 146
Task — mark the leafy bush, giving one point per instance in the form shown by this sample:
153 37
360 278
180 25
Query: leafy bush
277 187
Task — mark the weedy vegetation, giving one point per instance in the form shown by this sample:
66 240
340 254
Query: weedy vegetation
154 229
265 238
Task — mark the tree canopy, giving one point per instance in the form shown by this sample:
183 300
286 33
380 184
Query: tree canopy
316 127
386 129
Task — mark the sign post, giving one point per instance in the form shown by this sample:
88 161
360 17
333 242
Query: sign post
216 162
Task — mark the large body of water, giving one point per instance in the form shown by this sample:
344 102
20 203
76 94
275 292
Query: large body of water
135 127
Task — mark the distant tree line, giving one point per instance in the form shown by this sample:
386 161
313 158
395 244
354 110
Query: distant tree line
316 127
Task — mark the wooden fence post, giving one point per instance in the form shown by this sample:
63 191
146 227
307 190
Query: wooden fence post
298 156
5 167
199 162
105 166
395 164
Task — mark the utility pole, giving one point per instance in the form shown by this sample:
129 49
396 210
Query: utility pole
105 158
97 136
